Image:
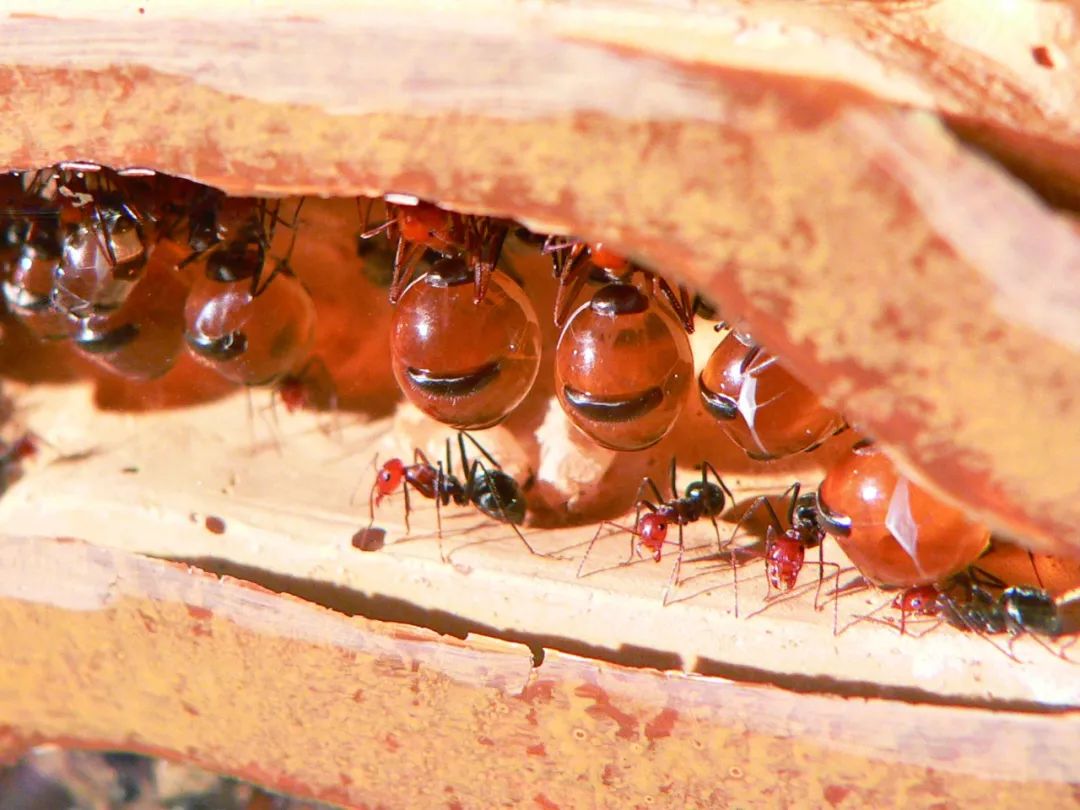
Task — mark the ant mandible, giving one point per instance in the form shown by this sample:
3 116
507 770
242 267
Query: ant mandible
417 226
702 499
786 544
491 490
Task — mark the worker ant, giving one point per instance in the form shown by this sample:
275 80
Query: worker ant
106 243
786 544
701 499
979 602
417 227
486 487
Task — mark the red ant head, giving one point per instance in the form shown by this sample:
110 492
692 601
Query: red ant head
606 258
389 478
783 560
24 448
922 599
425 224
652 529
293 394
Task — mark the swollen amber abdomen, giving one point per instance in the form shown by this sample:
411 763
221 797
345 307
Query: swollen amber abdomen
248 337
465 363
895 532
761 407
622 368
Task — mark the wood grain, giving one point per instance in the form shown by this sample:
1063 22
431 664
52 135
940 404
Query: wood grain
246 682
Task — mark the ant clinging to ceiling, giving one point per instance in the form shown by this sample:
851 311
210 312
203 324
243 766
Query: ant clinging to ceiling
417 227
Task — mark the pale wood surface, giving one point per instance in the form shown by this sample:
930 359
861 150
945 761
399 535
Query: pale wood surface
368 714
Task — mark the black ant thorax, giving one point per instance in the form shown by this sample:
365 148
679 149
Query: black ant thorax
706 498
239 259
806 527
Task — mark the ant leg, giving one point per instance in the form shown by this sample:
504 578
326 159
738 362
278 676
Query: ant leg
707 468
406 258
408 506
744 517
574 280
596 536
477 464
553 245
682 311
440 478
478 446
673 580
1035 568
491 244
648 482
836 592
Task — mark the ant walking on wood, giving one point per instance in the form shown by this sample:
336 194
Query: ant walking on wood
786 545
486 486
702 499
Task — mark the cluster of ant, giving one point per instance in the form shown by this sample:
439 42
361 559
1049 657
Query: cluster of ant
623 363
107 260
132 267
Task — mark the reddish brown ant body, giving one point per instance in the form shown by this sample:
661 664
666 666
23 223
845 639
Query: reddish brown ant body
417 227
762 408
786 544
702 499
467 364
894 531
486 486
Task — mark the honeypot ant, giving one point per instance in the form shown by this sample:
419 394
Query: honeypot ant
701 499
488 488
622 367
785 548
252 328
417 227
